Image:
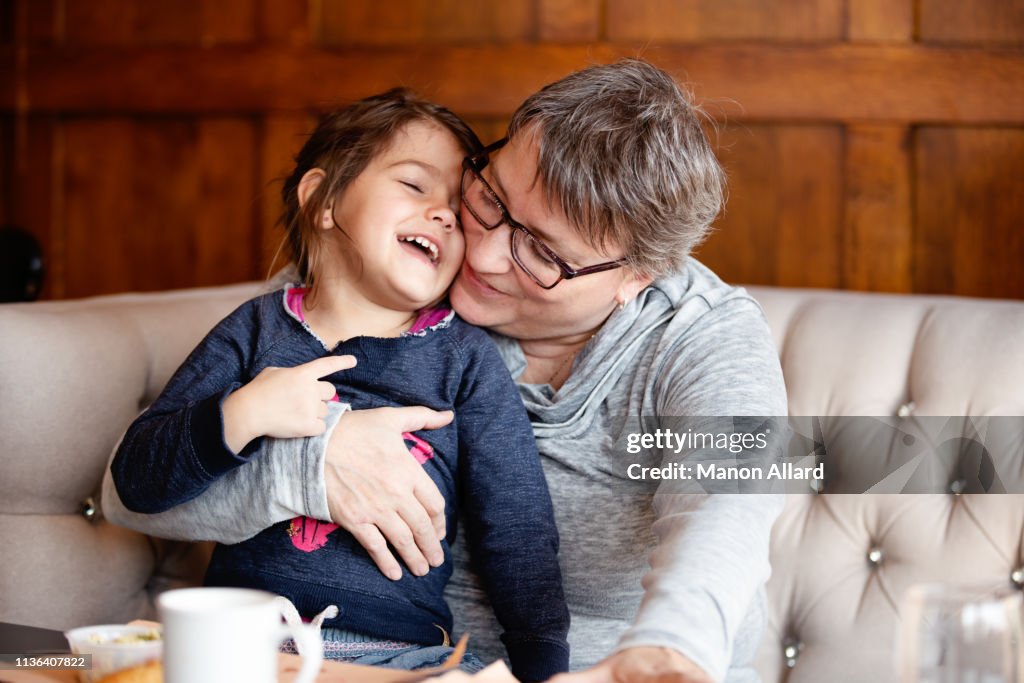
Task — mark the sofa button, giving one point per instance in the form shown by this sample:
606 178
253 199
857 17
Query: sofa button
906 410
791 651
876 556
1017 577
88 509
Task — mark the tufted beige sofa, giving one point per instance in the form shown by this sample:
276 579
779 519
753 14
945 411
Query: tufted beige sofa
73 375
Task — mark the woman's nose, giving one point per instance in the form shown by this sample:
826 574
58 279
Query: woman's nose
489 251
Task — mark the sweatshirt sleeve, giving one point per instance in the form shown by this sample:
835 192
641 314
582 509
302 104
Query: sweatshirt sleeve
175 449
712 552
284 481
509 518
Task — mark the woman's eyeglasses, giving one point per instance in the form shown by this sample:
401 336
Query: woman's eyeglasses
536 259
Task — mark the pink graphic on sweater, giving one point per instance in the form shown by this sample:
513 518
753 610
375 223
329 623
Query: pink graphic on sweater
309 534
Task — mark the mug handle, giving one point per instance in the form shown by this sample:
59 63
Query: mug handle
310 647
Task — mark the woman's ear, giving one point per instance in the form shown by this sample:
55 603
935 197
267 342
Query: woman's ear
631 285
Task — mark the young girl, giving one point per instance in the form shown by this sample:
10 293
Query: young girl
371 217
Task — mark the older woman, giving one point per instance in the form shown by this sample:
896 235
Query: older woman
579 227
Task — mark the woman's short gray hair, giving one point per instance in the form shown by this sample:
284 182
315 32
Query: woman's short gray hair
623 155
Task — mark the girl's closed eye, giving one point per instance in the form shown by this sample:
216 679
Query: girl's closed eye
412 185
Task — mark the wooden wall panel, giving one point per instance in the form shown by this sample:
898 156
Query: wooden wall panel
569 20
98 214
972 21
282 137
819 102
155 202
786 185
226 227
880 20
878 231
144 22
700 20
829 82
488 130
969 237
31 191
284 22
28 22
371 22
7 157
7 13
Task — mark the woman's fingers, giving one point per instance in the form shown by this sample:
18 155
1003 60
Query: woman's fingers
372 478
433 504
400 536
423 535
369 536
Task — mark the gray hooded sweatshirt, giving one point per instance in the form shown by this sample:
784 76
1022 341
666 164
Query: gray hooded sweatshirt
656 566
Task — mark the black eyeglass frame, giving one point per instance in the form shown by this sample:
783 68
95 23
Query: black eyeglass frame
476 164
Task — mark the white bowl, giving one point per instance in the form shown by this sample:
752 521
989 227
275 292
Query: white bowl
108 655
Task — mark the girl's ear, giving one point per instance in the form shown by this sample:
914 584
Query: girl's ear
311 180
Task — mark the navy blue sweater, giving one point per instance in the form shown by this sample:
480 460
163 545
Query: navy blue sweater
485 464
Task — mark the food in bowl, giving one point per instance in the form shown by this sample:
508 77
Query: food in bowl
125 638
114 647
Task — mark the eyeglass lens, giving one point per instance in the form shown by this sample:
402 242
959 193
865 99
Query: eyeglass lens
526 250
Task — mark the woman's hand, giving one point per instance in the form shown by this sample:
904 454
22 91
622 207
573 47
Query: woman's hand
376 490
640 665
282 402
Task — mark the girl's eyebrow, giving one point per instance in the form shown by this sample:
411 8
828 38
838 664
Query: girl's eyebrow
429 168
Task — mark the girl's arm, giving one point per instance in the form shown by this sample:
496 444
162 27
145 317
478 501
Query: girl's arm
284 481
287 479
175 449
206 423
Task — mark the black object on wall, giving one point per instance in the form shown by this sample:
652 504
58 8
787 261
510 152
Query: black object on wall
21 265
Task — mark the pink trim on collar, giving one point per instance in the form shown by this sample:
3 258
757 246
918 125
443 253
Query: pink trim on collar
427 317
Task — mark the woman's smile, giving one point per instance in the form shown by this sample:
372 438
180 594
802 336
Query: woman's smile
469 279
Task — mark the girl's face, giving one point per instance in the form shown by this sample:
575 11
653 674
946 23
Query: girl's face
404 244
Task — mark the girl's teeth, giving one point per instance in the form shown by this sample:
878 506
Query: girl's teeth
426 244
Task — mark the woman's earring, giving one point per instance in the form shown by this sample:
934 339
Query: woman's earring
622 305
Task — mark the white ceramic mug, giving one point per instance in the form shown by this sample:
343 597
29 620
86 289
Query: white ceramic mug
220 635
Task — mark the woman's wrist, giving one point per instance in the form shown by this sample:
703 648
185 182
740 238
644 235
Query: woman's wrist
236 415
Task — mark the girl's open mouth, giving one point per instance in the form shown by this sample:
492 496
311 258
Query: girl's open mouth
421 245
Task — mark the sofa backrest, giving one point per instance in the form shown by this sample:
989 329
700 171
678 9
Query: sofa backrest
841 563
74 374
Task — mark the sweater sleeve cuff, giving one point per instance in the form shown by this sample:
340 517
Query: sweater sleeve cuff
538 660
206 426
314 489
694 639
